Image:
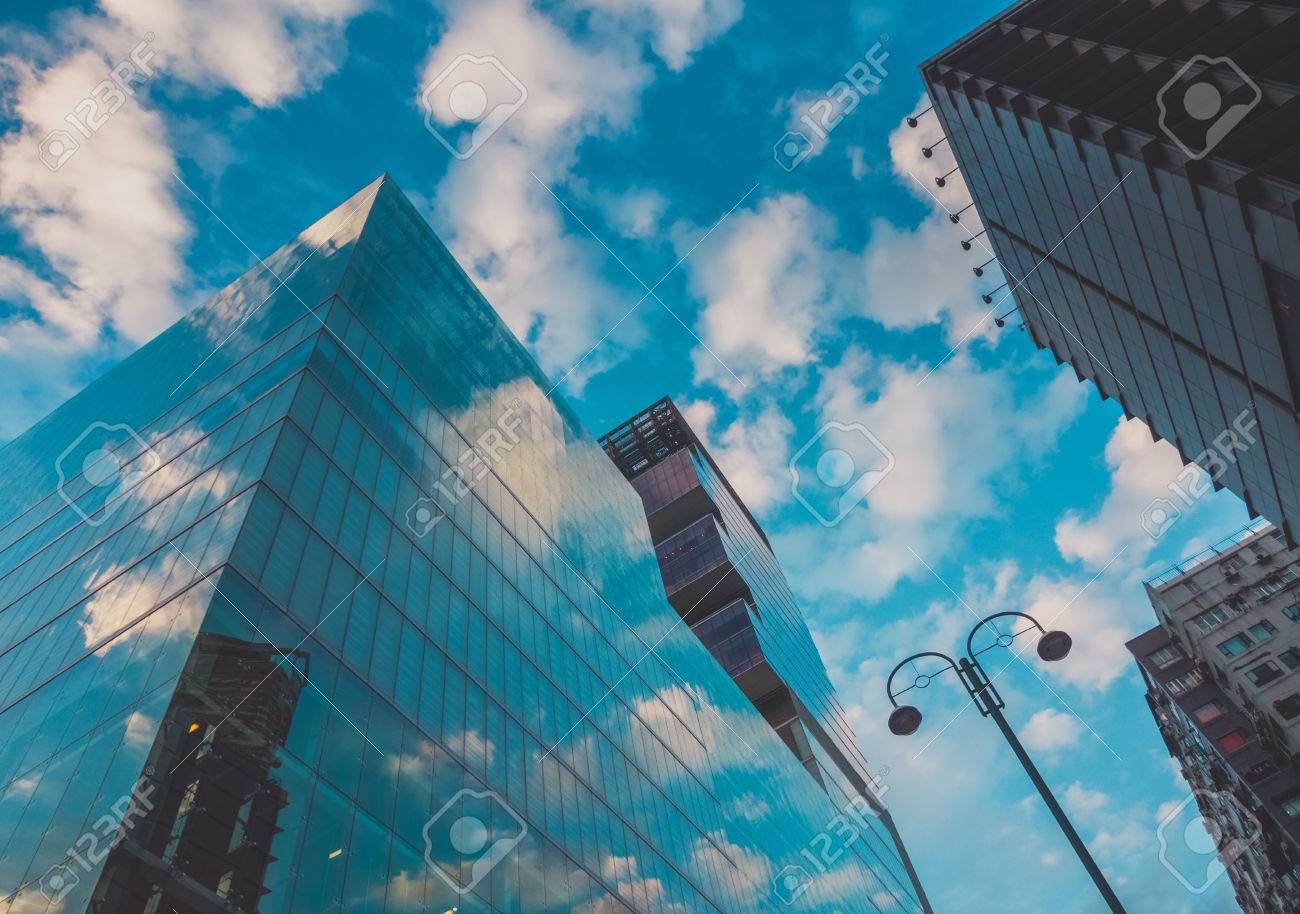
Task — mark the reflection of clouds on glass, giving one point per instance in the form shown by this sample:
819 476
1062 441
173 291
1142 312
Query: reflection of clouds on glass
109 609
625 873
140 730
226 315
753 871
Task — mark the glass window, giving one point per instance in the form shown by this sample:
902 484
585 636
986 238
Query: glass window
1180 684
1290 803
1207 712
1292 612
1166 656
1262 631
1231 742
1211 619
1288 707
1264 673
1291 657
1237 644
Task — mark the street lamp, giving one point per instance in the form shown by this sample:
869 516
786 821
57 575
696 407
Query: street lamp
905 720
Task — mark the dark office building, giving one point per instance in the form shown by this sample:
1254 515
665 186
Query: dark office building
1222 670
321 602
1136 164
721 576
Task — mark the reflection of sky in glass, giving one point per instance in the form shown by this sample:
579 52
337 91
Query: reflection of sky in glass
506 648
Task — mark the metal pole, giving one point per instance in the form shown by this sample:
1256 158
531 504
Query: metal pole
990 705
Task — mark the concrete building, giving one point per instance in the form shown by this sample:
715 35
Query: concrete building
1222 670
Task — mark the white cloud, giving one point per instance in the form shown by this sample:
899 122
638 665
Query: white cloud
962 439
920 276
505 227
677 28
635 213
90 219
1101 615
1050 730
86 290
1085 803
772 280
267 51
1141 470
752 453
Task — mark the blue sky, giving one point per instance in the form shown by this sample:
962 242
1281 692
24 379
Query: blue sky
782 300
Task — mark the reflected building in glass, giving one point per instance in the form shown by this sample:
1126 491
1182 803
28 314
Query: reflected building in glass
321 601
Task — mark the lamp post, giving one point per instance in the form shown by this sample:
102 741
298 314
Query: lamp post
905 720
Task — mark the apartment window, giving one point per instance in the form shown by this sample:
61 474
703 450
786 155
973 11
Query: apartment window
1291 657
1292 612
1166 656
1275 584
1191 585
1237 644
1262 631
1288 707
1208 712
1180 684
1211 619
1232 564
1231 742
1264 673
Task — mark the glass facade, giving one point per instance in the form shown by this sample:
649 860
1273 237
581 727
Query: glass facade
1167 281
321 602
721 576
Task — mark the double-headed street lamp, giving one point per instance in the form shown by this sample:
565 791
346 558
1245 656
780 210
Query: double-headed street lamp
904 720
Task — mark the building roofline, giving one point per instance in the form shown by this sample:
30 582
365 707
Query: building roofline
662 426
1241 536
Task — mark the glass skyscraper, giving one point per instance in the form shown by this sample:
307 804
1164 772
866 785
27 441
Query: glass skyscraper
1134 164
322 601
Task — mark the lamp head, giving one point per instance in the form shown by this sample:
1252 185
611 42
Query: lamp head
904 720
965 245
927 151
954 218
942 182
911 122
988 299
978 271
1054 646
999 322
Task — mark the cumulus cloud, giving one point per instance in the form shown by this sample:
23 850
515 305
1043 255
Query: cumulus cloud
89 219
962 441
82 291
503 224
1050 730
1141 470
752 452
771 279
677 29
635 213
266 51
